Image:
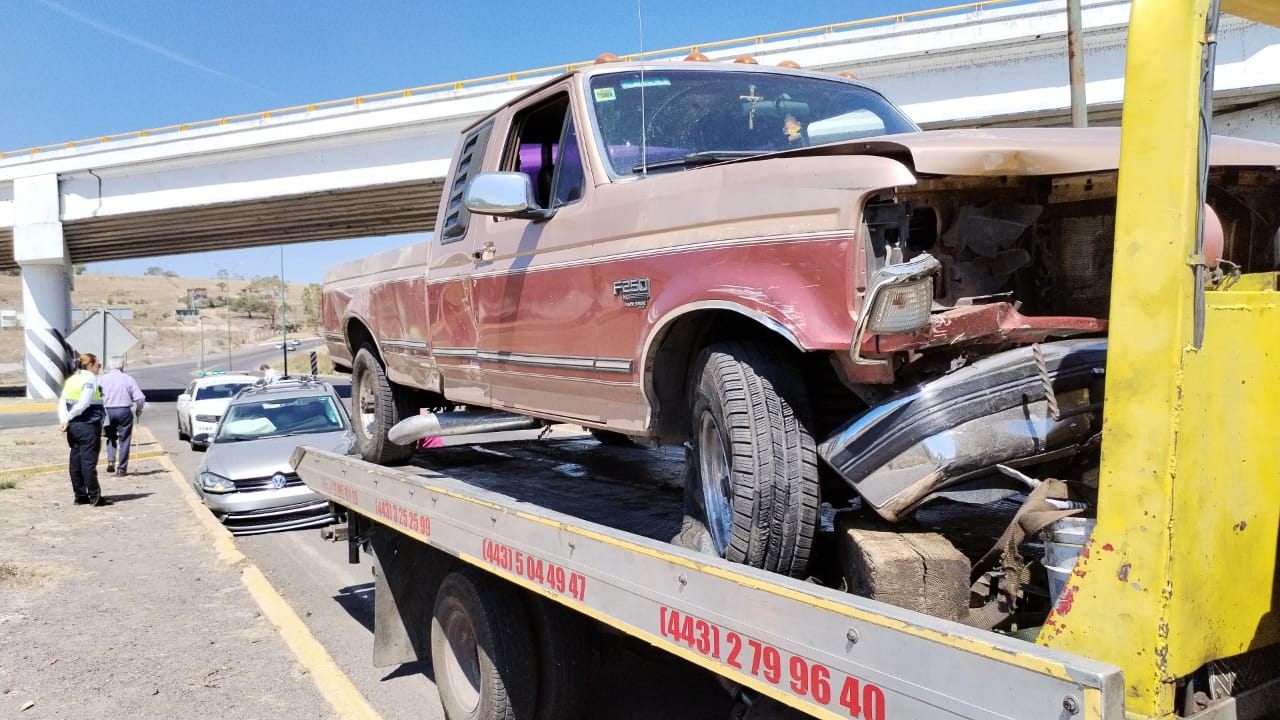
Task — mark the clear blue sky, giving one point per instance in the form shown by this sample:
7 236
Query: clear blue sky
76 69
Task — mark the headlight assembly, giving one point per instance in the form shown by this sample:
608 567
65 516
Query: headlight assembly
215 483
899 299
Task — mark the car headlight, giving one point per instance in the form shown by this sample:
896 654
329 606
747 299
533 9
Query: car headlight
207 418
899 299
215 483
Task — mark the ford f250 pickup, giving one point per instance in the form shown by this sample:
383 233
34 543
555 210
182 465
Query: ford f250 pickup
779 270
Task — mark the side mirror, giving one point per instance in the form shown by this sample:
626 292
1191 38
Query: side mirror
183 397
504 194
201 438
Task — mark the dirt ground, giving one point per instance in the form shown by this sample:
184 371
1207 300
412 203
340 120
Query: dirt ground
127 607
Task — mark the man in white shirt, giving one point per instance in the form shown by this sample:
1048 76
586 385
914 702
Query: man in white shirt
269 374
123 400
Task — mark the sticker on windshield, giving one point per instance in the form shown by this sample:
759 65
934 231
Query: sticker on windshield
647 82
791 128
605 94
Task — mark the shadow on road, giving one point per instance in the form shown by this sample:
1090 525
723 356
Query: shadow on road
160 395
124 497
139 473
357 600
419 667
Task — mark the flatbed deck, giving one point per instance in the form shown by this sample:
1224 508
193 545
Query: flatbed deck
587 526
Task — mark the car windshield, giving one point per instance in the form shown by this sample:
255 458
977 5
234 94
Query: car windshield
278 417
221 391
693 117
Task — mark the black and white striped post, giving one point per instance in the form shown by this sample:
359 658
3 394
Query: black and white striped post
39 249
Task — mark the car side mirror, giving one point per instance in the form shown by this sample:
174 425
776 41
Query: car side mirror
184 396
201 438
504 194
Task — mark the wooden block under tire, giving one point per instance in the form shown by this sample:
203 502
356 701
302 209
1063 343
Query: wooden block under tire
920 571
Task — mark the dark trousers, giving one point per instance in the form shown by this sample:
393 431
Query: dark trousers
85 439
119 434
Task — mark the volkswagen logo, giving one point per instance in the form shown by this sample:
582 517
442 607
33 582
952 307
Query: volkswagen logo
278 480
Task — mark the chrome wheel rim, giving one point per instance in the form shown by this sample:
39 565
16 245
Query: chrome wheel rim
462 664
366 407
715 477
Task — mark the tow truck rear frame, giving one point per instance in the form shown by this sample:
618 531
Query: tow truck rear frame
827 653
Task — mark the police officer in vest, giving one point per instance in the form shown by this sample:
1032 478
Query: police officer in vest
80 415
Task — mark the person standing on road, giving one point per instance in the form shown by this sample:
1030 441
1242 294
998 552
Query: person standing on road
80 417
123 399
269 374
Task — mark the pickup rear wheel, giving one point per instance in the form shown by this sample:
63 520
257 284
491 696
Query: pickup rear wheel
481 645
753 475
375 409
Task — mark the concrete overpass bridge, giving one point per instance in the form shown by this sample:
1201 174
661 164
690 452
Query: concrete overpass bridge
375 165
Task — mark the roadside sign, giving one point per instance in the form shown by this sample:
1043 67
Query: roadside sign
103 335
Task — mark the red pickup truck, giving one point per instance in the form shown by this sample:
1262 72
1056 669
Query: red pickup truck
779 270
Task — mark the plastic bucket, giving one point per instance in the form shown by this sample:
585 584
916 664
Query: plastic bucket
1063 542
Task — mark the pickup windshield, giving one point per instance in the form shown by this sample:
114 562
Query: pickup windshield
692 117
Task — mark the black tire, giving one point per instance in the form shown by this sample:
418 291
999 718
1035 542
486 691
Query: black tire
375 408
482 649
182 436
611 438
562 640
753 467
197 447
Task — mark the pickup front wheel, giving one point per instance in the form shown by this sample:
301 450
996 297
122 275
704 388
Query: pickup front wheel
753 468
374 410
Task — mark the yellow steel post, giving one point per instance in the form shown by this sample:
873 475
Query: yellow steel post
1181 566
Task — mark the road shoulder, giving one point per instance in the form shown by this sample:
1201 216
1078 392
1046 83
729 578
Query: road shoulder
142 605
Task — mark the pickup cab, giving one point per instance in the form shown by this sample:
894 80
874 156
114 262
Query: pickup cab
779 270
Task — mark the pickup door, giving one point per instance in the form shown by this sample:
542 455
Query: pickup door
553 338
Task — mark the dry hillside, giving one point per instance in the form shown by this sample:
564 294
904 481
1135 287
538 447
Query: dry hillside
162 337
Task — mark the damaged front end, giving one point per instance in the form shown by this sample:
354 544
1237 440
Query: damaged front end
981 325
946 437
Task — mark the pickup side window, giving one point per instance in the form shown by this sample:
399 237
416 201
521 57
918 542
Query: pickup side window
457 214
544 146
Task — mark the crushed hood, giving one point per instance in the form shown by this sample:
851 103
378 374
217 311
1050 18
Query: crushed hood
1027 151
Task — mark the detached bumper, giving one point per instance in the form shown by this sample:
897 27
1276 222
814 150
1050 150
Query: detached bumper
959 427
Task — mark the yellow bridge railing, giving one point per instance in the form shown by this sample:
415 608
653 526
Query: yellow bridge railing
504 77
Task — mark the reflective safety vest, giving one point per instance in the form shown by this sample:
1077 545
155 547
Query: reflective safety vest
74 386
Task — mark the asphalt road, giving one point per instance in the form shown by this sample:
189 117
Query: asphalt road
335 598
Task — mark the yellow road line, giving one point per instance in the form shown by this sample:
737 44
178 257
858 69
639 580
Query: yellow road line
28 408
341 694
39 469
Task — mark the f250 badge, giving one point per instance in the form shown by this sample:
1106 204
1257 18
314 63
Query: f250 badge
634 291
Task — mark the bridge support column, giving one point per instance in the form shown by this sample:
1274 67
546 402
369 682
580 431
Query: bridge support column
47 277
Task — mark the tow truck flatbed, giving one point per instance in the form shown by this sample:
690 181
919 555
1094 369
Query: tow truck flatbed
564 518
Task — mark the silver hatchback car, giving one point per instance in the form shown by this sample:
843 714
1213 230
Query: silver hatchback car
246 478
